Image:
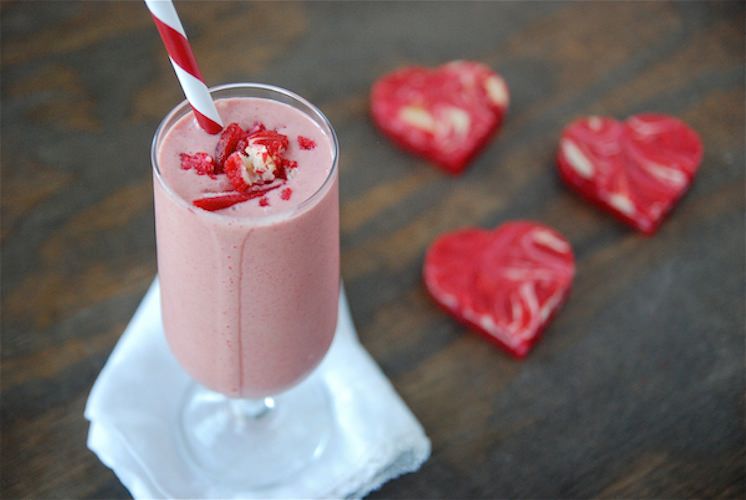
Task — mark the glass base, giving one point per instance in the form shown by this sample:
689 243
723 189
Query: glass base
254 444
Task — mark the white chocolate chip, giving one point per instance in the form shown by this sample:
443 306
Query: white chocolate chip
549 240
259 167
523 274
550 305
666 174
457 120
646 127
487 323
418 117
577 159
497 91
622 203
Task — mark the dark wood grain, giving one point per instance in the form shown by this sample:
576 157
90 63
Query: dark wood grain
637 390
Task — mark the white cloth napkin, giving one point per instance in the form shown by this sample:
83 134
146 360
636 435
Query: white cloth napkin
135 401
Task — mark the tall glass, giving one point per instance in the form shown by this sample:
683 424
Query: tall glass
249 308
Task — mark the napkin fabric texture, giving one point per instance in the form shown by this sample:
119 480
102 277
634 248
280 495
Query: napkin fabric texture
135 402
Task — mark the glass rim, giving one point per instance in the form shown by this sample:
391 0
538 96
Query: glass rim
300 207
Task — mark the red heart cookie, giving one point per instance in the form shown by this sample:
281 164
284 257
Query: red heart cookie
445 114
506 283
635 169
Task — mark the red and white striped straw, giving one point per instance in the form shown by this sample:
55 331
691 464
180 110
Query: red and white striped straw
185 65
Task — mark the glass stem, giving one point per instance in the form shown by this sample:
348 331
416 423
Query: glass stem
251 409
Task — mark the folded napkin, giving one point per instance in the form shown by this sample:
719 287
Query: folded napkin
135 402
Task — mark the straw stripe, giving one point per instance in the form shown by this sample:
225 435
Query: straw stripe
198 96
178 48
166 12
185 65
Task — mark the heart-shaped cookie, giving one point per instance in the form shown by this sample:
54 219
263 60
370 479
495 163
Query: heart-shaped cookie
636 169
445 114
507 283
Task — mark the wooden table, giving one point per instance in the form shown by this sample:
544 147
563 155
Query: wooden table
637 389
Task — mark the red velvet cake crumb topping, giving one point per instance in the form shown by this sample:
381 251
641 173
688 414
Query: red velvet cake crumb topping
201 162
250 159
306 143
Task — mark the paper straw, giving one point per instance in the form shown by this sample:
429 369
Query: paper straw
185 65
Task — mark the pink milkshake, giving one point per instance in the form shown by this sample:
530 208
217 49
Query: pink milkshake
249 292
